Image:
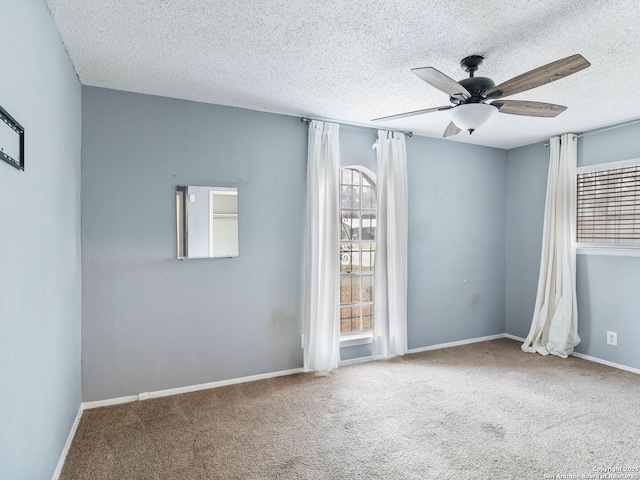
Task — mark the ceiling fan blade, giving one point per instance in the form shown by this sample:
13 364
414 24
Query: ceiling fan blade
451 130
411 114
530 109
539 76
442 82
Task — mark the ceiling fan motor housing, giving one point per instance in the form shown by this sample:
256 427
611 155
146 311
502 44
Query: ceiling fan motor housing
464 115
476 86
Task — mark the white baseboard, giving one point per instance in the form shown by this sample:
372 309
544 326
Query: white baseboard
67 445
589 358
190 388
109 402
223 383
513 337
456 344
606 362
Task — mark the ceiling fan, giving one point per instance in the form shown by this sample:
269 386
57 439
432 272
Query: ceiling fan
469 96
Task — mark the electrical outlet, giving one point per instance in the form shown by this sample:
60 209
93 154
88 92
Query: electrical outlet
302 340
143 396
612 338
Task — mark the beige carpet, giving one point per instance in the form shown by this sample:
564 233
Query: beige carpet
480 411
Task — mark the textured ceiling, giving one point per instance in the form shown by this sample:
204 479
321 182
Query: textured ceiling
351 60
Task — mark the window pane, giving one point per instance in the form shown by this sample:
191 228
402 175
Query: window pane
367 201
350 289
367 288
345 230
349 319
345 176
349 258
355 196
367 317
356 257
368 226
355 179
346 196
350 229
367 256
369 191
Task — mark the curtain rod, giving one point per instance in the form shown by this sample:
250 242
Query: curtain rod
624 124
308 120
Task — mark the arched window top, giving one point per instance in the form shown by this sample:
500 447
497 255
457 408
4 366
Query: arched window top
363 170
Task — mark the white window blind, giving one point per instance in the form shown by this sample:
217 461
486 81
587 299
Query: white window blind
608 206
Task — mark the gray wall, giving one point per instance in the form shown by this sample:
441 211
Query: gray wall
151 322
40 382
527 169
607 286
456 233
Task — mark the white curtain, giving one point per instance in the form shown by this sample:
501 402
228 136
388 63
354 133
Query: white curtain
321 322
554 328
390 274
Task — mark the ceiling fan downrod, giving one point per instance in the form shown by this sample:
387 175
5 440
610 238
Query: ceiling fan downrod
471 64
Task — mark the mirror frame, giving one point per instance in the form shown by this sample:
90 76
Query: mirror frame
182 220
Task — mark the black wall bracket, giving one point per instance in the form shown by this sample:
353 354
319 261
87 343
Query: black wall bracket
11 140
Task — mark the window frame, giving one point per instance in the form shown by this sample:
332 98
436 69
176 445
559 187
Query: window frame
612 249
366 337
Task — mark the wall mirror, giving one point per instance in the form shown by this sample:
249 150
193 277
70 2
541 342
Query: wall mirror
206 222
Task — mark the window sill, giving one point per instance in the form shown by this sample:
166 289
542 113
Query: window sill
611 250
356 339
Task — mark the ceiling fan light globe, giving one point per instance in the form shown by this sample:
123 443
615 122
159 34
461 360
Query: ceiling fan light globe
472 115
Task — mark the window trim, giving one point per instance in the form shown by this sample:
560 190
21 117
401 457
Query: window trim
360 338
356 339
631 162
608 249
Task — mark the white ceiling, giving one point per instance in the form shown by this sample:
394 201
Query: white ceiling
350 60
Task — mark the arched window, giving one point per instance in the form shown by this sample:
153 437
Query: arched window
357 250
